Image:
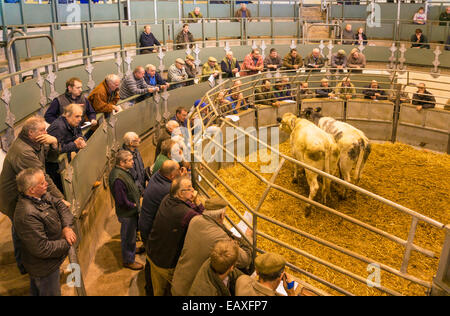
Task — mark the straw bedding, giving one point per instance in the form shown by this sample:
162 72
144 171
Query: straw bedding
412 178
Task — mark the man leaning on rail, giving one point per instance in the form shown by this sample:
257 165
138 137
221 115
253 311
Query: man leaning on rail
29 150
44 226
105 96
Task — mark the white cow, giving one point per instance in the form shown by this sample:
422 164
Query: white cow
354 146
313 146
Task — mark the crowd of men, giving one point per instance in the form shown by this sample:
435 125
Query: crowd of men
158 201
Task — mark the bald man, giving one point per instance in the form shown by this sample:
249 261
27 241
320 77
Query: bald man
229 65
314 61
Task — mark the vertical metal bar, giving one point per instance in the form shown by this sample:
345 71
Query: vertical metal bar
155 11
88 38
443 272
90 12
409 243
163 25
21 11
203 33
217 32
396 114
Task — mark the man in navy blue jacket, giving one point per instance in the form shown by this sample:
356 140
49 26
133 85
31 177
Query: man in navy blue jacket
158 187
153 78
147 39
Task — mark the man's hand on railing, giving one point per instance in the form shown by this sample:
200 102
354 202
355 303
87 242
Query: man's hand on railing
80 143
69 235
153 89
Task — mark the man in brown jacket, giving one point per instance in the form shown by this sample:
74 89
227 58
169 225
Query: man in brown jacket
356 61
206 230
105 96
292 60
29 150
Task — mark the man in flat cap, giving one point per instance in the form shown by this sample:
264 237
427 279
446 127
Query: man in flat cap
339 61
206 230
270 271
177 73
191 68
210 68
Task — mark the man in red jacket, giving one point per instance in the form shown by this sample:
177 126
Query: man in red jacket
253 63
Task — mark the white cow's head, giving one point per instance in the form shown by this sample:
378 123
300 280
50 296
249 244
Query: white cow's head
287 122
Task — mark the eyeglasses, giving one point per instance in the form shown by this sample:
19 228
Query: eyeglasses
190 189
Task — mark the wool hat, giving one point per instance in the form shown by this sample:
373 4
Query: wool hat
190 57
197 102
215 203
180 61
269 263
212 59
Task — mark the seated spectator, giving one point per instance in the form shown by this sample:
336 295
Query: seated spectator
273 61
420 17
314 61
374 92
134 84
253 63
292 60
270 271
444 17
67 130
339 61
217 276
149 41
30 149
166 133
73 94
356 61
324 91
360 37
44 225
206 230
419 40
127 203
105 96
423 99
131 142
282 89
184 38
210 68
229 65
169 230
177 73
222 104
243 12
304 93
195 16
236 98
190 68
264 94
347 35
154 79
345 89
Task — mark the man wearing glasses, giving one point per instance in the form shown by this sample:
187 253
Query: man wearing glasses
169 230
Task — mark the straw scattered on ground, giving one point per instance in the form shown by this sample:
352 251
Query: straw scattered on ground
415 179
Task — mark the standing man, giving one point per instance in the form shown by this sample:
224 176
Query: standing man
180 116
126 195
184 38
243 12
293 60
272 62
29 150
131 142
105 96
134 84
176 73
169 229
149 41
43 224
154 79
423 99
73 94
229 65
253 63
166 133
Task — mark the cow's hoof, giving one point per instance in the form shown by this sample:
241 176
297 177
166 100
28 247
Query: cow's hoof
307 212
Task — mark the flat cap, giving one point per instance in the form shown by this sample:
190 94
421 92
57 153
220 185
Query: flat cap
212 59
269 263
190 57
215 203
180 61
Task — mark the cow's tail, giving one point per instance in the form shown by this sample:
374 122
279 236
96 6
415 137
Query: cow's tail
364 152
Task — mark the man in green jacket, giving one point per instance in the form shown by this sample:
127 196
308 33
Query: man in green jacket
217 276
210 68
445 16
195 16
127 202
